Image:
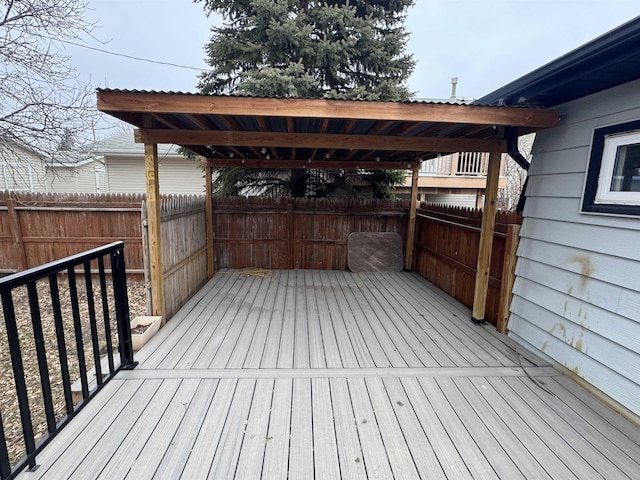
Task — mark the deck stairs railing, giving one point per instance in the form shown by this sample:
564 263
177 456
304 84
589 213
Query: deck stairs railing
64 322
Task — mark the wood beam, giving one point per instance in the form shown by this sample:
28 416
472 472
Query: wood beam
154 228
486 239
411 227
154 102
317 140
321 164
208 174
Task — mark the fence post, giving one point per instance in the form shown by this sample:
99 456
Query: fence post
209 222
16 233
290 238
411 227
145 257
508 276
122 309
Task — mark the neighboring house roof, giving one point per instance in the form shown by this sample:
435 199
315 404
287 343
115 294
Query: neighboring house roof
605 62
124 144
11 145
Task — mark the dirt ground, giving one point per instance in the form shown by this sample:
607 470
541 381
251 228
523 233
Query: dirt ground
8 399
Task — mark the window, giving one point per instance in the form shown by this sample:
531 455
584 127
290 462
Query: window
613 178
16 177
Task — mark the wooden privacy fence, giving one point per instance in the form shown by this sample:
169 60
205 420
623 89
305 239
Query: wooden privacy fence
297 233
256 232
446 254
39 228
184 249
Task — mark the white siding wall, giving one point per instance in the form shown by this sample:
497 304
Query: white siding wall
456 199
20 169
72 180
577 291
176 175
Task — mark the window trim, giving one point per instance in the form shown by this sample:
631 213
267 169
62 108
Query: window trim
598 198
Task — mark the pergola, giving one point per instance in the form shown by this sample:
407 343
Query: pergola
254 132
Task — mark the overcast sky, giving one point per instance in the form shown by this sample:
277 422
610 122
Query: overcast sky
485 43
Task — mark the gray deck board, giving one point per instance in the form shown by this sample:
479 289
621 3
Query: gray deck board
256 431
201 452
321 374
347 440
326 462
399 455
153 452
276 452
374 453
301 438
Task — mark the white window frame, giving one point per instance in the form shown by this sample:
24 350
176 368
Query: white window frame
8 167
604 194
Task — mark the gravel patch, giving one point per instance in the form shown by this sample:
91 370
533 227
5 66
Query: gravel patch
8 399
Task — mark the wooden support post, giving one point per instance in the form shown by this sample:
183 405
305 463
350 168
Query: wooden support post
508 276
486 239
411 228
155 230
208 173
16 233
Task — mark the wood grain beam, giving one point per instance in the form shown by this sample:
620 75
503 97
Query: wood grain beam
219 138
154 102
486 240
319 164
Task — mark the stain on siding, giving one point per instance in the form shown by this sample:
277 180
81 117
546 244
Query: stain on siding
586 269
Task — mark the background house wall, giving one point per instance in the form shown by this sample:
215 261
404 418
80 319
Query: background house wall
178 175
21 169
577 291
75 179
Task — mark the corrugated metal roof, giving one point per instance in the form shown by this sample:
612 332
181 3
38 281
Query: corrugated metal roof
416 101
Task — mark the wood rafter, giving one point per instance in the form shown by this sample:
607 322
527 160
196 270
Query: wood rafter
153 102
312 140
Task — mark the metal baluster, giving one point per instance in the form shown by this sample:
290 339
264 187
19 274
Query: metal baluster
122 309
92 321
62 344
105 314
18 375
41 353
5 466
73 293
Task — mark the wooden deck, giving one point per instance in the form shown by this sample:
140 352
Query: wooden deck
328 374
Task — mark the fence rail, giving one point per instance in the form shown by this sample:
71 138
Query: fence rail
37 228
297 233
25 331
447 240
184 249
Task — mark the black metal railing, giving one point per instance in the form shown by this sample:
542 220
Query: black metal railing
55 338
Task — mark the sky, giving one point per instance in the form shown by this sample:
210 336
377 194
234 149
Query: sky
484 43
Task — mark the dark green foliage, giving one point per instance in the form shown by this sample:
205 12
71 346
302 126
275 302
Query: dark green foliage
307 183
343 49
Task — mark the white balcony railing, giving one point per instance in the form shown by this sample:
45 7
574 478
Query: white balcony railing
461 164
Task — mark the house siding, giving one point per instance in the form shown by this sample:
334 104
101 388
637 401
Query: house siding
176 175
456 199
20 169
72 180
577 290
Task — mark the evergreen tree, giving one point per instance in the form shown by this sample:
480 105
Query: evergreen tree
341 49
